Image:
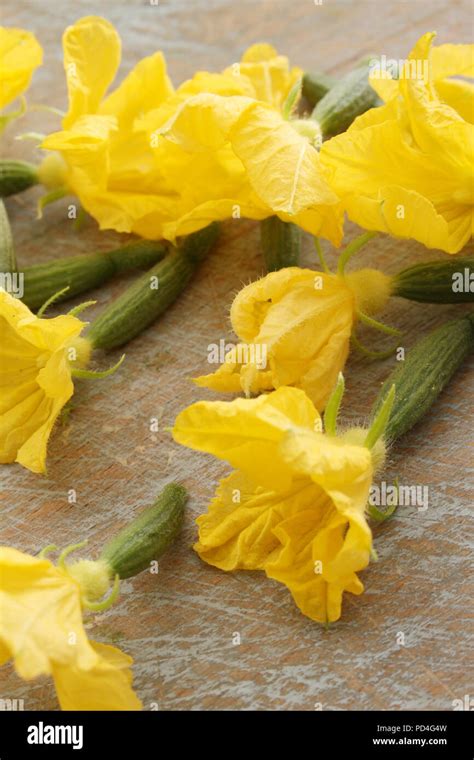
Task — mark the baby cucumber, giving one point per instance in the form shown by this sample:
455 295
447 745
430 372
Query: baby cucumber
145 539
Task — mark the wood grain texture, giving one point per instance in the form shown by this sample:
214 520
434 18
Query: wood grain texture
179 625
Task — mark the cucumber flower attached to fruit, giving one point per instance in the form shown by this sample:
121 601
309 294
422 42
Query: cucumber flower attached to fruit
230 134
20 55
407 168
295 504
295 327
42 631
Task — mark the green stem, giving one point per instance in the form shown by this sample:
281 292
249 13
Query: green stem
281 243
376 325
380 421
151 294
291 99
352 248
332 407
322 260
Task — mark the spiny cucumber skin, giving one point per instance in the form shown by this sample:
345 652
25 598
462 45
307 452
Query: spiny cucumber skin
141 304
7 251
82 273
149 536
423 374
316 85
79 274
281 243
349 98
432 282
16 176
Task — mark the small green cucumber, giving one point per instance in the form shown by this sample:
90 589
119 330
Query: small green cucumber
151 294
316 85
148 536
421 377
7 251
349 98
447 281
281 243
86 271
16 176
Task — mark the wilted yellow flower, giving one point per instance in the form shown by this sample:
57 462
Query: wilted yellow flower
294 328
407 167
125 155
295 505
42 631
37 359
20 55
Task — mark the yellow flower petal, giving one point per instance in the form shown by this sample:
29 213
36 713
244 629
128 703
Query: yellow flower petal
260 51
41 629
35 379
404 190
85 148
247 432
237 532
438 130
41 619
301 322
106 686
323 459
283 168
452 60
20 55
323 547
307 529
269 73
459 95
204 121
320 556
211 211
91 58
145 88
202 82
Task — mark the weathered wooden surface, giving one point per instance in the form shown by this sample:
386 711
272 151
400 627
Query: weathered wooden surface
179 625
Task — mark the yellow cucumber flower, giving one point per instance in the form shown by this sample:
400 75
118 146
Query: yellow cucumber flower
254 163
20 55
100 157
242 152
37 359
407 167
42 631
295 504
294 328
125 155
